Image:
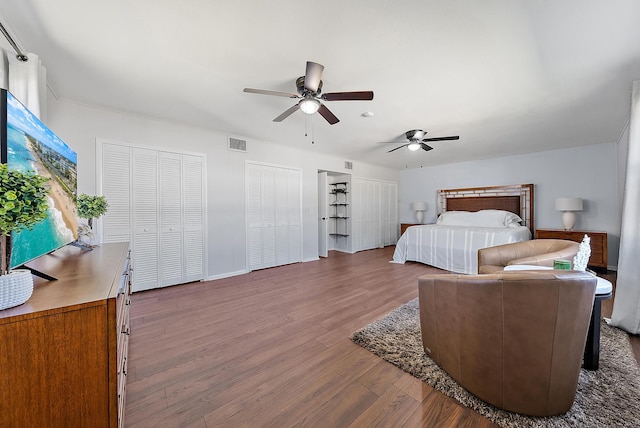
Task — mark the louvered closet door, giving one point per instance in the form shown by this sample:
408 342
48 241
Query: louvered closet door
273 216
253 190
116 179
193 226
389 213
294 216
171 250
365 200
268 212
145 254
281 218
157 201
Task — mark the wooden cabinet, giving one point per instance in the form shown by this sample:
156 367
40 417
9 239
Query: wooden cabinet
63 354
598 242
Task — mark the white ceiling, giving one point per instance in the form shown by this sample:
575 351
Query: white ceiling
508 76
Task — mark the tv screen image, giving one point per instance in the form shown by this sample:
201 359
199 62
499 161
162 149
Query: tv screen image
31 146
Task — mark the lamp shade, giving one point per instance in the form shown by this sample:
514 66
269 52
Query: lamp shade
568 204
419 206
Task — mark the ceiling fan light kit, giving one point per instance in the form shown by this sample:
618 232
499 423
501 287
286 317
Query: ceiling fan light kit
309 105
413 146
309 88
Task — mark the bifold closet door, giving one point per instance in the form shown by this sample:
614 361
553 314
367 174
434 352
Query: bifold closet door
193 217
171 239
157 202
365 201
144 203
389 213
274 225
116 188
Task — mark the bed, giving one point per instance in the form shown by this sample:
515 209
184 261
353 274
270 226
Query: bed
469 219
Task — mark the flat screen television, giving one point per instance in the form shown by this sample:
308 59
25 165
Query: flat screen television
28 144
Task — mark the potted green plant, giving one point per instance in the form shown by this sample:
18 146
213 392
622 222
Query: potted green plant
90 207
23 203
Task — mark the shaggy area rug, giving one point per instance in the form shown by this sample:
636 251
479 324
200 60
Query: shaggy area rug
608 397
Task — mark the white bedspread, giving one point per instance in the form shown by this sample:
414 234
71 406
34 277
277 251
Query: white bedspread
454 248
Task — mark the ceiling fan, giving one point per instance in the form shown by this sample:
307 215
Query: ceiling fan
417 140
309 88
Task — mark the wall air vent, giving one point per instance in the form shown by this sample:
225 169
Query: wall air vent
236 144
348 165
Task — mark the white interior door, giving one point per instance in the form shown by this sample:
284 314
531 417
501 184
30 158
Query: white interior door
323 214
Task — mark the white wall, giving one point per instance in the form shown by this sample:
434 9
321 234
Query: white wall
79 125
588 172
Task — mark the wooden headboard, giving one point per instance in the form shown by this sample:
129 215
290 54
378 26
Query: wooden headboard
516 198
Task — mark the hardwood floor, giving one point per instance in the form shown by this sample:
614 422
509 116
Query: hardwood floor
271 348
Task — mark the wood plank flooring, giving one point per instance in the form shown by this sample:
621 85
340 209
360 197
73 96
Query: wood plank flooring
271 349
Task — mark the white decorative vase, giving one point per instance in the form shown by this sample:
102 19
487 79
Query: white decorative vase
15 288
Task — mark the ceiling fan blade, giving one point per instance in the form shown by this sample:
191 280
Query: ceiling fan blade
348 96
286 113
455 137
425 147
313 76
397 148
265 92
330 117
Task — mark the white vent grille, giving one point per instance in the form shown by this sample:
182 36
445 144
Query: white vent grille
348 165
236 144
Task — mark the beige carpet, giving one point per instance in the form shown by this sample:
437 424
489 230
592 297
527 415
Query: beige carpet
608 397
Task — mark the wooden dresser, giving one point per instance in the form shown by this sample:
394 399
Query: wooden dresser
63 354
598 241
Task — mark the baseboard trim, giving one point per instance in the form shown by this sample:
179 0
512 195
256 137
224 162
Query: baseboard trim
227 275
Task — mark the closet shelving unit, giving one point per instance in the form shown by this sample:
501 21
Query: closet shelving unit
340 205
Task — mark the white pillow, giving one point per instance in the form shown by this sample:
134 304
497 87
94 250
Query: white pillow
483 218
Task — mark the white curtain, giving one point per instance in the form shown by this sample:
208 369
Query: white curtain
626 307
27 81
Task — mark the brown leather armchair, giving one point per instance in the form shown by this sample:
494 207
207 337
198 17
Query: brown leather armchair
541 252
513 339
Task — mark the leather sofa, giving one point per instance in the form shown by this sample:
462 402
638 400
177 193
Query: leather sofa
541 252
513 339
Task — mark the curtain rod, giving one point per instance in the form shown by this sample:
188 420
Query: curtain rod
21 56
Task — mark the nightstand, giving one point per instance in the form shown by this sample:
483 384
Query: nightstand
598 242
403 226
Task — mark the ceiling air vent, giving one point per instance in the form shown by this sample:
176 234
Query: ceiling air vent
348 165
236 144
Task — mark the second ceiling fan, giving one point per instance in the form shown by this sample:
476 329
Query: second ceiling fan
309 88
417 140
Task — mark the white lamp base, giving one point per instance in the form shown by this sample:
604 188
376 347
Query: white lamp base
568 220
419 216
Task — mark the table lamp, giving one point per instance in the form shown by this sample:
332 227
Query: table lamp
419 208
568 206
